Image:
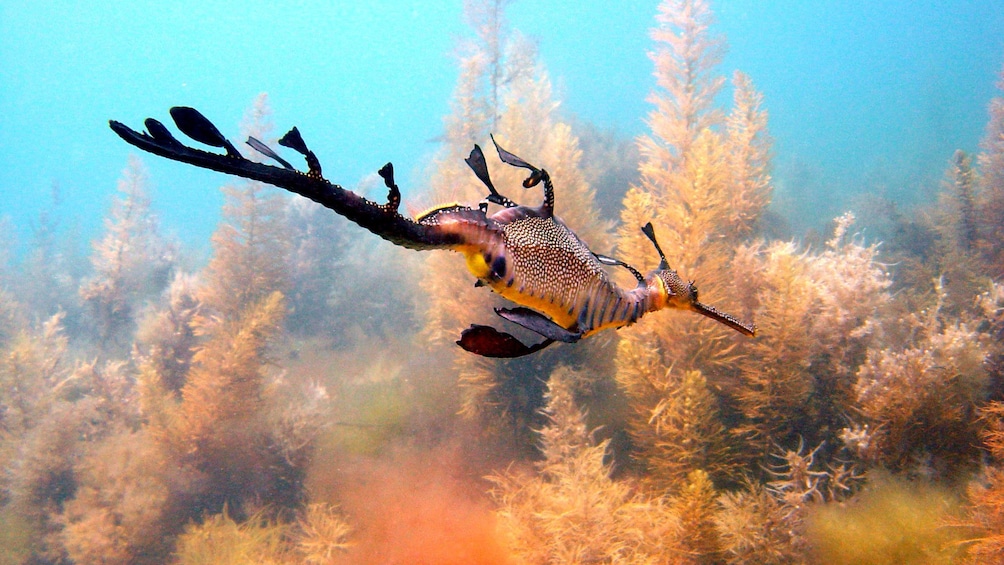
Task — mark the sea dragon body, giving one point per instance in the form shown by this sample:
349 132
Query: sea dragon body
526 254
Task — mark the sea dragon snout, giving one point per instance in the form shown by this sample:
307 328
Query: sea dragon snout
524 253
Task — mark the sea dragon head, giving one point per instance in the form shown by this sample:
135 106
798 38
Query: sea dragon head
668 290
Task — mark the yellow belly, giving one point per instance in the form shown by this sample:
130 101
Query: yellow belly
558 313
475 262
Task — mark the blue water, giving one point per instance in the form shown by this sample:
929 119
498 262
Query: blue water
863 96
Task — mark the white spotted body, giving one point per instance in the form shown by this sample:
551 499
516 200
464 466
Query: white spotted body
547 268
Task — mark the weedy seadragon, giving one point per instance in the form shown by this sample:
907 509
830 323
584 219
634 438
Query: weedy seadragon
524 253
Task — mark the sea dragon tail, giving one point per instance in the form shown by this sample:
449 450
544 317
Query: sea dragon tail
383 220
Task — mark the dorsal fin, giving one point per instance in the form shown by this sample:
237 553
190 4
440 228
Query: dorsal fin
649 231
294 141
510 159
477 163
394 193
606 260
536 176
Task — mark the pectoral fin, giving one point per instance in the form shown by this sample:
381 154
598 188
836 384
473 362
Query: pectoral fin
489 342
537 322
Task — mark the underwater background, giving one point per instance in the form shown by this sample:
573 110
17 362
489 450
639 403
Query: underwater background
201 369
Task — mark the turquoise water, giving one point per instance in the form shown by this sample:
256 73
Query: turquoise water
195 368
859 94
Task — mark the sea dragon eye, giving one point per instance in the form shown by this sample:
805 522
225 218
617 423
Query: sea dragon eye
498 267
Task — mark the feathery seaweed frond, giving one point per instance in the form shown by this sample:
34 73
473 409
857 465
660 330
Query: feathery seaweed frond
221 540
749 158
218 421
990 199
703 184
166 340
323 533
920 397
685 58
123 511
752 528
964 187
572 511
131 262
248 246
986 496
817 316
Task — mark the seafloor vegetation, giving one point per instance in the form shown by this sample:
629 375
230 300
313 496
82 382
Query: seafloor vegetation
298 398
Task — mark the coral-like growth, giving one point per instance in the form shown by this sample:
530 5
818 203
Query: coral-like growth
991 196
221 540
920 396
250 244
816 315
571 510
131 262
324 534
893 521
